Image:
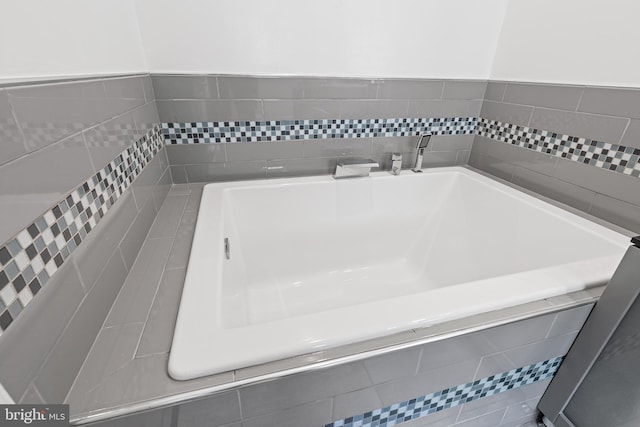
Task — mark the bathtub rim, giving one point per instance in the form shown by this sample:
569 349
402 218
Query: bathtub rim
181 360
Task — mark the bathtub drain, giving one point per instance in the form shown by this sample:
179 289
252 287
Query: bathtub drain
227 248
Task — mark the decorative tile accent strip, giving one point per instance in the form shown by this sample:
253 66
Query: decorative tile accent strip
286 130
448 398
596 153
28 261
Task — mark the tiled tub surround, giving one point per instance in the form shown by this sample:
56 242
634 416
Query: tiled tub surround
610 116
332 102
126 369
78 126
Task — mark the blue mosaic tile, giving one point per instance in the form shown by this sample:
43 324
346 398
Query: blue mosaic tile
28 261
422 406
287 130
600 154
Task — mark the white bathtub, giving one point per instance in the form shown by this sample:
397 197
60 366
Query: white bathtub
317 262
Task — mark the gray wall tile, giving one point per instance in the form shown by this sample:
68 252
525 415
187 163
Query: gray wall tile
197 153
184 87
166 112
12 141
178 174
139 289
145 117
155 418
543 95
32 396
438 158
30 339
147 86
451 142
216 110
242 152
464 89
569 321
631 137
236 87
135 236
621 213
541 350
158 331
301 109
619 102
294 390
217 410
393 366
372 109
65 361
168 218
109 139
601 128
410 89
495 91
124 94
356 402
104 239
508 113
310 414
300 167
337 88
225 171
145 184
162 188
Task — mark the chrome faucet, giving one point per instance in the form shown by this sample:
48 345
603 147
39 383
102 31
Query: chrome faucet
422 144
396 163
350 168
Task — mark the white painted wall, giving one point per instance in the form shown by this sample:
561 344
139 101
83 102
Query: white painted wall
369 38
45 39
570 41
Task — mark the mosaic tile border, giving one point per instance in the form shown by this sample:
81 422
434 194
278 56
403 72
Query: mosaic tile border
287 130
422 406
617 158
29 260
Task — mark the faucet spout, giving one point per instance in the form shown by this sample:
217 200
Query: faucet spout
423 142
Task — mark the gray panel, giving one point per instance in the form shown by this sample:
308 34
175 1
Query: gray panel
554 188
519 333
216 410
310 414
373 109
109 139
145 118
287 392
460 89
197 153
184 87
145 184
631 137
611 101
248 151
104 239
601 128
507 113
49 113
444 353
158 331
166 112
217 110
336 88
139 289
541 350
495 91
301 109
410 89
28 187
542 95
356 402
618 212
12 142
178 174
600 180
226 171
28 341
392 366
300 167
124 94
168 218
64 362
238 87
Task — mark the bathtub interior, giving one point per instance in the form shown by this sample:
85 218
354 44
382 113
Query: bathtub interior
302 248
